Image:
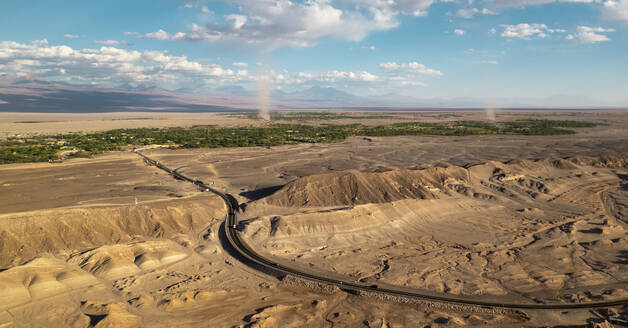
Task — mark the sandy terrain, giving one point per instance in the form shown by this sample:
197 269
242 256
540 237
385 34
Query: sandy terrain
23 124
12 124
527 231
255 172
443 215
89 260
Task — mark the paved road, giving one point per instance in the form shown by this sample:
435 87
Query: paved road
268 266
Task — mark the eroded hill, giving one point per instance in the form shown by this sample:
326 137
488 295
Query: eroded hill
551 230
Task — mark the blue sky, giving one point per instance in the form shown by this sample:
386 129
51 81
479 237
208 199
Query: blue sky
560 52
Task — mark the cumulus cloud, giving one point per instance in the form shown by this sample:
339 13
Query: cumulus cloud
357 79
410 68
416 8
106 65
390 66
404 81
159 35
238 21
305 75
528 31
107 42
586 34
275 23
71 36
611 9
110 65
468 13
517 3
112 43
615 9
359 76
459 31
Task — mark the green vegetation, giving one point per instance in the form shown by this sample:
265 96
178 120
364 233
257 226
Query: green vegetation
305 116
44 148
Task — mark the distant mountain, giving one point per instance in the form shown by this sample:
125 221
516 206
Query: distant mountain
320 95
139 87
394 99
234 90
34 94
324 94
31 94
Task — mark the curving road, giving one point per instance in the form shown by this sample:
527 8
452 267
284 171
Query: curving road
261 263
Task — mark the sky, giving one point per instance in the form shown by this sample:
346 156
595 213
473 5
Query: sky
553 51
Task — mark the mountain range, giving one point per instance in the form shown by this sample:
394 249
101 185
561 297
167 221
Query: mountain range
33 94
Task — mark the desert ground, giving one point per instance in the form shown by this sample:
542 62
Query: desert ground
110 241
25 124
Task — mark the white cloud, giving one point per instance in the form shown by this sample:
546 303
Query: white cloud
107 65
112 43
343 79
468 13
159 35
390 66
528 31
71 36
238 21
412 83
305 75
615 9
276 23
411 68
405 82
107 42
459 31
587 34
518 3
239 64
359 76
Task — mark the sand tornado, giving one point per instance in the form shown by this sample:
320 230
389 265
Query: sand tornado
263 96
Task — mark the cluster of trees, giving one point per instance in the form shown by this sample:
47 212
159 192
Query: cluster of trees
544 127
26 153
45 148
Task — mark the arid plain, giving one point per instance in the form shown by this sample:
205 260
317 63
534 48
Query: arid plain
110 241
